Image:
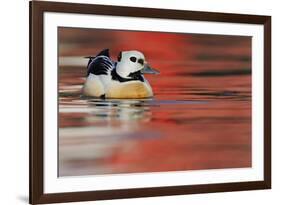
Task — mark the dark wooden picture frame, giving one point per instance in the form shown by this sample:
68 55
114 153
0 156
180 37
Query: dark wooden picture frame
37 9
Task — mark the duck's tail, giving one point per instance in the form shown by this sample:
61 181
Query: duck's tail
100 64
104 52
90 59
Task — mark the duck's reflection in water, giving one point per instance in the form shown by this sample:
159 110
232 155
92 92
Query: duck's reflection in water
105 126
121 110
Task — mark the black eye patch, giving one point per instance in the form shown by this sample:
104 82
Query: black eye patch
141 61
133 59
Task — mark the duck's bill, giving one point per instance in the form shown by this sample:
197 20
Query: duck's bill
148 70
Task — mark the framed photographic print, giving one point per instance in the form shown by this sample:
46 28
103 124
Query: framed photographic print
137 102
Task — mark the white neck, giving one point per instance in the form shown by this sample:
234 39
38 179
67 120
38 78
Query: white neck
121 70
124 69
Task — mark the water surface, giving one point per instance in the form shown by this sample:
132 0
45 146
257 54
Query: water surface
199 118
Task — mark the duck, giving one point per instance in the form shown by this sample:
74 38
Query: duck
123 79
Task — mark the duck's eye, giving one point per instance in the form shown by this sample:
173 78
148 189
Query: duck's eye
141 61
133 59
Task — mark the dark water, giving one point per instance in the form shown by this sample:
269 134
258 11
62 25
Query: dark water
199 118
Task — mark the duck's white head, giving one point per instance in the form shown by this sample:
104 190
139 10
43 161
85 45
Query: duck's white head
131 63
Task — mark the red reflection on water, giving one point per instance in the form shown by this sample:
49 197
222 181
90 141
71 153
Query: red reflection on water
214 71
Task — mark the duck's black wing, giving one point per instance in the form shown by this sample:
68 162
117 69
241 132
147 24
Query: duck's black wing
100 64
